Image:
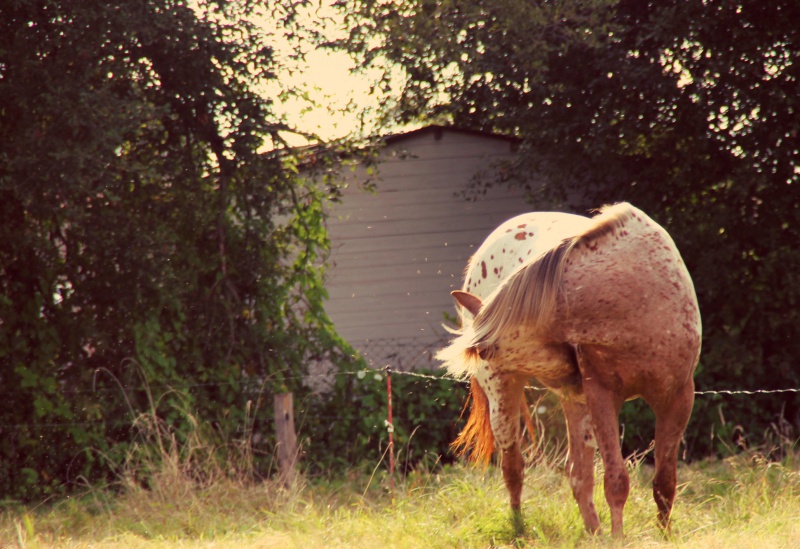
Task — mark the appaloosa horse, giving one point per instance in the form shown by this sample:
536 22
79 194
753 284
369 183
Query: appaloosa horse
599 310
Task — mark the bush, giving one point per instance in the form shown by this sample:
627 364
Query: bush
348 425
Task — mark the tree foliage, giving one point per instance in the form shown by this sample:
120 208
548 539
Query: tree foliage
687 109
157 249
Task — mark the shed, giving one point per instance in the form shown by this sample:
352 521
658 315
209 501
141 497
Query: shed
398 252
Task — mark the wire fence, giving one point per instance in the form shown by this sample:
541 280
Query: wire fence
413 358
401 355
406 358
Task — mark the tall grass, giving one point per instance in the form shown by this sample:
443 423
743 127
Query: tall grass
198 494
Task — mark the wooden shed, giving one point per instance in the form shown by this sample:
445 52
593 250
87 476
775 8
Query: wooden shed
398 252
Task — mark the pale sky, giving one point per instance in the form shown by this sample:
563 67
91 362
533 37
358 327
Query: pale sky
337 95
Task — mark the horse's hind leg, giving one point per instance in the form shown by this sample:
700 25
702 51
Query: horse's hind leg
580 464
604 406
671 421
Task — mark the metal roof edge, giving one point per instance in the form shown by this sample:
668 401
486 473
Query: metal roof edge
391 139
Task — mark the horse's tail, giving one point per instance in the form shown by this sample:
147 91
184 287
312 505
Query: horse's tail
476 437
526 415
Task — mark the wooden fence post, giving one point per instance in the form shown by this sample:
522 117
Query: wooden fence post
286 437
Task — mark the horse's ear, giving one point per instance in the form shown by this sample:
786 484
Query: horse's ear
470 302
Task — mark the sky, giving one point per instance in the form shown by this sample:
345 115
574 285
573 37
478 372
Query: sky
337 93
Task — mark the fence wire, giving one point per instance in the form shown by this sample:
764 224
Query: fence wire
409 358
401 355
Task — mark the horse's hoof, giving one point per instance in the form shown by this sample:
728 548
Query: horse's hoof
517 522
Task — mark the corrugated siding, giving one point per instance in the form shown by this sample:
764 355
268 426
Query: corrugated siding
399 252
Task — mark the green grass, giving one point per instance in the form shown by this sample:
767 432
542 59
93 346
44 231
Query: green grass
740 502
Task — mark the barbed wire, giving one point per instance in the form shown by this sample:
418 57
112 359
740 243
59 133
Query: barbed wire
418 352
745 391
699 393
405 357
417 374
407 354
129 424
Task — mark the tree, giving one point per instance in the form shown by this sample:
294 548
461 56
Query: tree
687 109
157 249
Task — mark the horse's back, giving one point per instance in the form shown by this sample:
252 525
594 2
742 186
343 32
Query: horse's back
516 242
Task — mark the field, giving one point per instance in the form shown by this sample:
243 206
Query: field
743 501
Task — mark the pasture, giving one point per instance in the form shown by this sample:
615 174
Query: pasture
743 501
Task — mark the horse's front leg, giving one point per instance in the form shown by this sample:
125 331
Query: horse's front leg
580 463
504 392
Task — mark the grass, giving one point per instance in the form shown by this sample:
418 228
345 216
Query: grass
197 494
743 501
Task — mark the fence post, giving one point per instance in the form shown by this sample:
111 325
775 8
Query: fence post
286 437
390 428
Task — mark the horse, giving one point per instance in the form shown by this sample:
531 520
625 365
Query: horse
600 310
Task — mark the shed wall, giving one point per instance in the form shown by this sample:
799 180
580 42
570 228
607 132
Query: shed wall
399 252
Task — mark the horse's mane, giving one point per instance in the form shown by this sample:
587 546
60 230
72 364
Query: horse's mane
530 295
527 297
